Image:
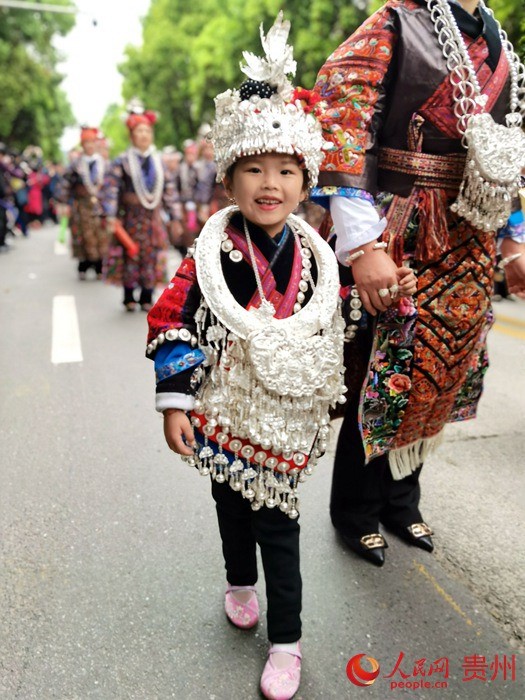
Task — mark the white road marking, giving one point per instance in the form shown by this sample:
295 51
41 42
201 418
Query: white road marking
65 345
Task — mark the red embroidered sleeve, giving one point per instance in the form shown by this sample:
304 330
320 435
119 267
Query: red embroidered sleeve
177 304
352 86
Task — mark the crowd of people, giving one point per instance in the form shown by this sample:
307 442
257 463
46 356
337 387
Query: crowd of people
91 191
28 188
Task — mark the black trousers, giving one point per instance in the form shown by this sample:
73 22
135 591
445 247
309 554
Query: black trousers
84 265
277 535
146 295
363 495
3 225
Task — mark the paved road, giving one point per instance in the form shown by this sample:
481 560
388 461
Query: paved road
111 576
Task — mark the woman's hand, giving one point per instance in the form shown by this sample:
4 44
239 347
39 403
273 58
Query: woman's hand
374 271
176 426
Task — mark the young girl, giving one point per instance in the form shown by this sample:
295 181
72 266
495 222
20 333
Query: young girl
248 341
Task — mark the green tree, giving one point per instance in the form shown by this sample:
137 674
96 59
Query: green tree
511 15
192 52
34 108
114 129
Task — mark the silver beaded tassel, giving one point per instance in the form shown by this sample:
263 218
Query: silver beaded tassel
262 486
483 200
285 427
495 152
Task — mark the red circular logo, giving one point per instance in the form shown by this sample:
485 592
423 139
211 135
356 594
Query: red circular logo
359 675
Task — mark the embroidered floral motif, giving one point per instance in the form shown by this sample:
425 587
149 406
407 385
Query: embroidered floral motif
331 190
386 393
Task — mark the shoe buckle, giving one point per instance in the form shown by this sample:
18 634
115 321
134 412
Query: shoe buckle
420 530
372 541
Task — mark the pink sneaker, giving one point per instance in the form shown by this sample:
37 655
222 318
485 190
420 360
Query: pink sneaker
242 615
281 683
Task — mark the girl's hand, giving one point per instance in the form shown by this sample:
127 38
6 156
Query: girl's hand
515 276
176 426
514 271
407 282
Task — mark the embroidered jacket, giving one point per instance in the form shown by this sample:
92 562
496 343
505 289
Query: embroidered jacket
389 70
388 87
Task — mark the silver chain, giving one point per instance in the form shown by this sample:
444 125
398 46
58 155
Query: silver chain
254 261
91 186
467 94
148 199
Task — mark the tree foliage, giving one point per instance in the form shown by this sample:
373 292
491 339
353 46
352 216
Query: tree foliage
114 128
191 51
34 108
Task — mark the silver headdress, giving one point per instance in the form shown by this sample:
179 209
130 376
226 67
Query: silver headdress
266 114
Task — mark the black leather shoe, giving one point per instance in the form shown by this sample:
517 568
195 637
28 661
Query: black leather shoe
370 547
417 534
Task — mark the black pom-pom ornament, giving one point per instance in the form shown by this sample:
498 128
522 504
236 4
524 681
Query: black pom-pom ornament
255 87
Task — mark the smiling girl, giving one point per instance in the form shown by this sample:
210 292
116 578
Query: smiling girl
247 342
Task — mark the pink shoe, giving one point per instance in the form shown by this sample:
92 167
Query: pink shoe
281 683
242 615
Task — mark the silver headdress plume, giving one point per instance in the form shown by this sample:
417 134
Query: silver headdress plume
265 115
278 63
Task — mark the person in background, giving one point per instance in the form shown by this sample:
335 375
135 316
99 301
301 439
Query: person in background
210 195
103 146
37 180
136 188
81 190
5 191
188 178
171 159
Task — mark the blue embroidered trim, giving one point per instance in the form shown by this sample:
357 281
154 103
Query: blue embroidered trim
515 227
174 357
192 359
321 195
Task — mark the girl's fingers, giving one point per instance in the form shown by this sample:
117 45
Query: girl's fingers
180 447
189 434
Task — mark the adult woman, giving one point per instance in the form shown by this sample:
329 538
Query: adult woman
136 188
397 126
81 188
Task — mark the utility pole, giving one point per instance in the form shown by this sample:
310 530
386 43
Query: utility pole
38 7
43 7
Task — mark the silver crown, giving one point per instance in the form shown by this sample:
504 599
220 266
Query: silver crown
271 123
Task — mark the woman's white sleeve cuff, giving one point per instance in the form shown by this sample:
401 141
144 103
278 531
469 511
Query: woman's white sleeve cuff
356 222
173 399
